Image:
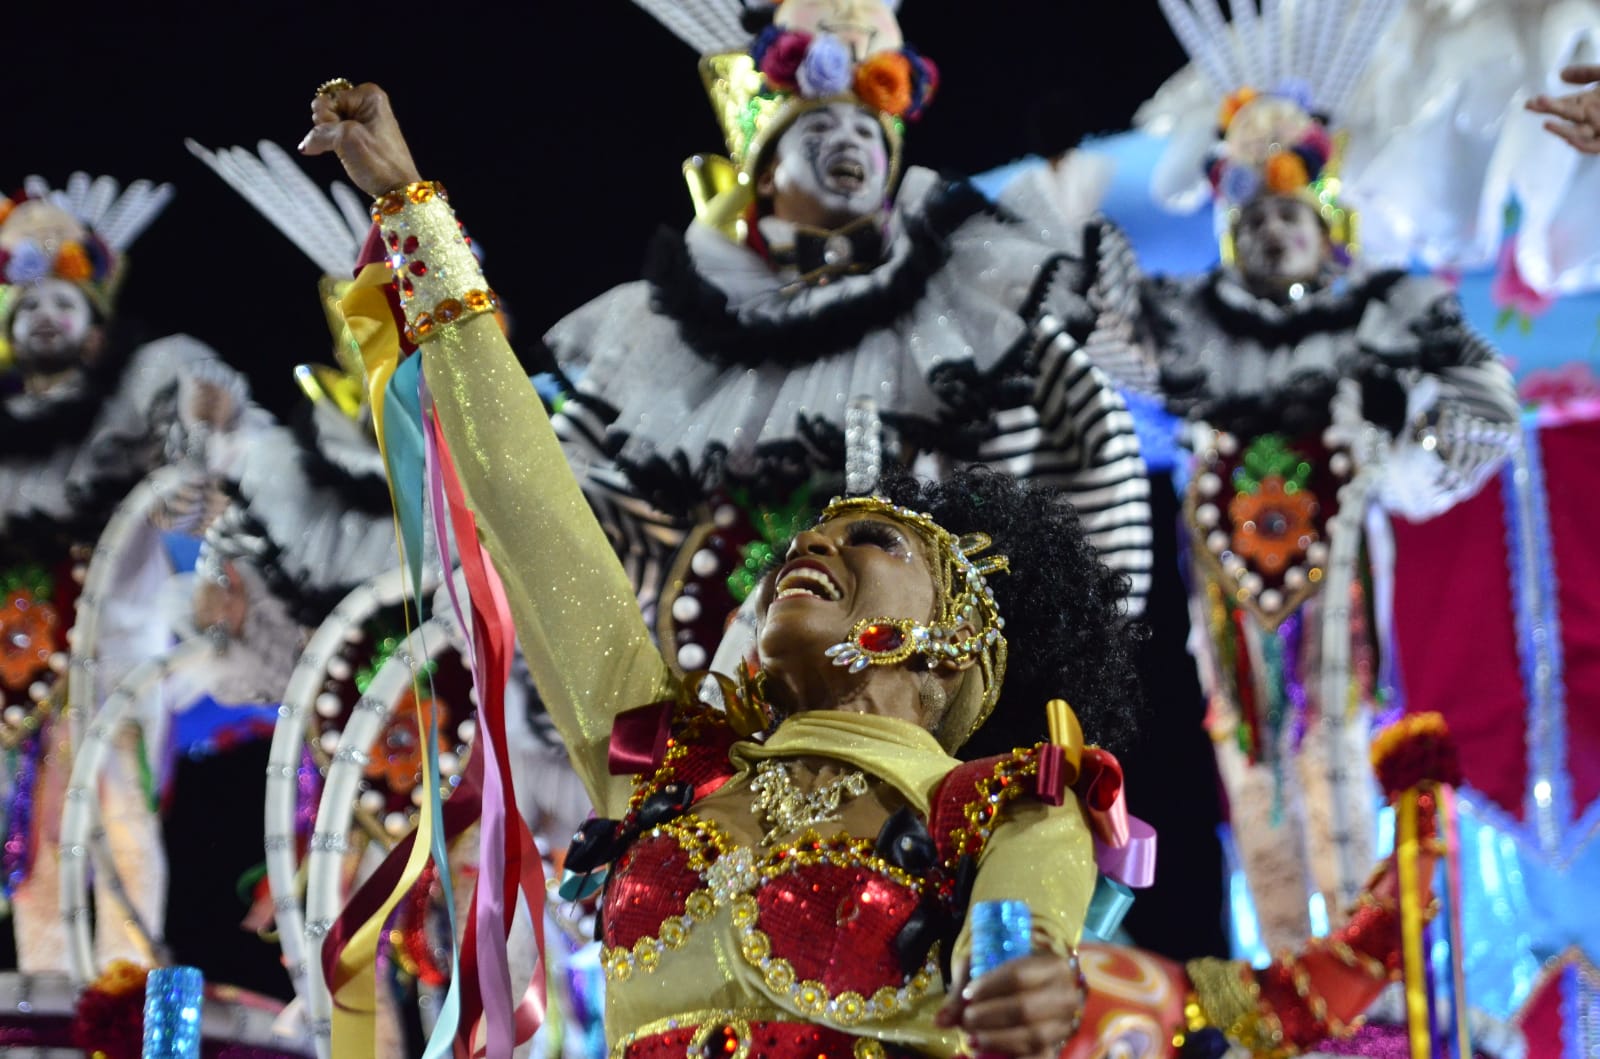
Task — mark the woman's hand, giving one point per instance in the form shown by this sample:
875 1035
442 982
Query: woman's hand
1027 1007
1581 110
357 125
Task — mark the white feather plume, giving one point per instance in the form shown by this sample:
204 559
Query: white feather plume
330 233
1324 43
707 26
117 216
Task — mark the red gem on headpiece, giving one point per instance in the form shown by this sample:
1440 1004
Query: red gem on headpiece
881 639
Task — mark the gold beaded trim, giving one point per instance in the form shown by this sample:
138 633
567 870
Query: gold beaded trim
474 302
707 1022
706 845
411 195
993 793
810 997
730 872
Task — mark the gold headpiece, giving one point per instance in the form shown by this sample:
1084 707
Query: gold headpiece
346 385
816 53
960 569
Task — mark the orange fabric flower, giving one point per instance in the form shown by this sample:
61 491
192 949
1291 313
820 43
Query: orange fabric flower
884 82
27 639
1286 173
1232 105
397 754
1272 527
73 263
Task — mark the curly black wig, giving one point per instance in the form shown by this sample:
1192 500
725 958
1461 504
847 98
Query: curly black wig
1063 608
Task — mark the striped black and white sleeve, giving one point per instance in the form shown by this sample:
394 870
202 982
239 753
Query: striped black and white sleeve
1077 436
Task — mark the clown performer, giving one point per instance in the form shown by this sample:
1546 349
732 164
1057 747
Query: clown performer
86 416
820 273
1322 398
1437 141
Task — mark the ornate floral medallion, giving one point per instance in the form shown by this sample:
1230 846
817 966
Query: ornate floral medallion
1258 516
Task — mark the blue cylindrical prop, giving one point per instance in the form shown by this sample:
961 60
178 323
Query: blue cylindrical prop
172 1005
1001 931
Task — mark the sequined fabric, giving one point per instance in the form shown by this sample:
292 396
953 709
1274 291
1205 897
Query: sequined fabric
735 946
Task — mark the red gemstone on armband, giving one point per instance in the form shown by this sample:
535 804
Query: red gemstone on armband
418 268
410 246
881 639
394 241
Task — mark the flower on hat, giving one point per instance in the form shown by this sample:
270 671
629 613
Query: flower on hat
1233 104
924 82
72 262
883 82
28 263
1286 173
827 68
1238 183
780 57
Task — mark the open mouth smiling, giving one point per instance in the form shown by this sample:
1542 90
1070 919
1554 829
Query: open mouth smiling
806 578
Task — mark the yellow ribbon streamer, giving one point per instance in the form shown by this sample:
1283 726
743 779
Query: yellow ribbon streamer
1065 731
366 308
1407 850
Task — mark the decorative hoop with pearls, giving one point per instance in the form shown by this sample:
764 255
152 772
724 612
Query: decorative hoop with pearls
388 589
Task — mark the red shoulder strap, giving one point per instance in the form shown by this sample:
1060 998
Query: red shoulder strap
970 799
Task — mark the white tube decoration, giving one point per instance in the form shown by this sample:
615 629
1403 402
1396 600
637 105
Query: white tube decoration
288 737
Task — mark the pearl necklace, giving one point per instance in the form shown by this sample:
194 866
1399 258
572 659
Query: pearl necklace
786 809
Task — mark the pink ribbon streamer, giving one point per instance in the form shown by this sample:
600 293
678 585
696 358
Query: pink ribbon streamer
506 855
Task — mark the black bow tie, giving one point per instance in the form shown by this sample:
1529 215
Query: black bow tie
818 254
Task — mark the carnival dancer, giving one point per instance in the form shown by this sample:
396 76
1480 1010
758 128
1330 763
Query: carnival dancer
821 271
882 649
1322 398
86 415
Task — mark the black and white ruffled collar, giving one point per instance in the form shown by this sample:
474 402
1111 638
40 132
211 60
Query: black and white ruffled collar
1335 306
732 307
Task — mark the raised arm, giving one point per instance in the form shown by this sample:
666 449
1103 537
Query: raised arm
576 615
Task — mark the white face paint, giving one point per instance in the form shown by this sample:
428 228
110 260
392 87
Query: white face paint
49 325
830 167
1279 241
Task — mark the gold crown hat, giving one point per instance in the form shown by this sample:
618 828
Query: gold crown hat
327 227
79 234
1282 73
814 53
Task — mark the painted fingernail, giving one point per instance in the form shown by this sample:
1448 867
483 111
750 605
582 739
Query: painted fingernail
305 142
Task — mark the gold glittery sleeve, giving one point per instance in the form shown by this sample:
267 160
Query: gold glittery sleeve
1043 855
577 618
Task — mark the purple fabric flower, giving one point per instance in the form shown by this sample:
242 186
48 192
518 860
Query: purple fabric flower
827 69
28 263
1239 183
1296 91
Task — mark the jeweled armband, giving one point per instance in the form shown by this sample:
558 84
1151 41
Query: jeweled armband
435 272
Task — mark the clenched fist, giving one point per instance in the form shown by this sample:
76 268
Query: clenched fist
357 125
